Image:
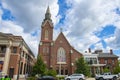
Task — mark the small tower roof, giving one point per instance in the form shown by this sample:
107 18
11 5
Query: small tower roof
48 10
47 14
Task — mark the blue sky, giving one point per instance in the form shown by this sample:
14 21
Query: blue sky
86 23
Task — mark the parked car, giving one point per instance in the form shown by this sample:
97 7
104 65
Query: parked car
2 75
75 77
118 74
46 78
106 76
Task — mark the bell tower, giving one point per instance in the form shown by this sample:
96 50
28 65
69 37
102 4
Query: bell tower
47 27
46 41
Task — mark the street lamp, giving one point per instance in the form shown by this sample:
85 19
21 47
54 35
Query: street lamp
60 66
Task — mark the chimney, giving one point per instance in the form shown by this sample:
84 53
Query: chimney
111 51
85 51
89 50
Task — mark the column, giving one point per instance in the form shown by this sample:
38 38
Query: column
6 60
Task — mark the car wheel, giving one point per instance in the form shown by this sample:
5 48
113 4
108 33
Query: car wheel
67 79
114 78
80 79
101 78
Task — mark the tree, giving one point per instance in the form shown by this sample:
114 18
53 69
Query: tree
82 67
52 72
106 70
39 67
117 68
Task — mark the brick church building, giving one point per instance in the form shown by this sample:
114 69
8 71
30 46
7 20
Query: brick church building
57 54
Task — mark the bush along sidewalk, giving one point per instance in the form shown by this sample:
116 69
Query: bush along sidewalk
5 78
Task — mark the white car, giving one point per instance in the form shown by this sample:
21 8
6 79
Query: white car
106 76
75 77
2 74
118 74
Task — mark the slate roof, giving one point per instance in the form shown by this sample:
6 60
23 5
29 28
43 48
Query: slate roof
107 55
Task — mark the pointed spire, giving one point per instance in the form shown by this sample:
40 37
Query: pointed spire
47 14
48 10
61 29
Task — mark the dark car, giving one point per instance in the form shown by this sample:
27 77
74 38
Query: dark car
46 78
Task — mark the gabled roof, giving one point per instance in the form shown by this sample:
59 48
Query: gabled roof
62 35
44 22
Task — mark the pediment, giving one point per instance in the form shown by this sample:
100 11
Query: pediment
62 39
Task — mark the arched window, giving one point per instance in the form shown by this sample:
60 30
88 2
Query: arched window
46 34
61 57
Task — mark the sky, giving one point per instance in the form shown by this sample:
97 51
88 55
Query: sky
86 24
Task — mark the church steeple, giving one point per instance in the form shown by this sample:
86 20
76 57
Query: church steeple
47 14
48 10
47 27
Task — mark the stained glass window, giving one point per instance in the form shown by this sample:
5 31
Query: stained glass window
61 57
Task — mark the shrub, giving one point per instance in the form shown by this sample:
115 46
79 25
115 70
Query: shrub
31 78
60 77
51 73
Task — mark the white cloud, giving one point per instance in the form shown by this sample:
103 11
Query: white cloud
98 46
84 42
114 42
82 19
87 16
0 14
11 27
112 38
30 13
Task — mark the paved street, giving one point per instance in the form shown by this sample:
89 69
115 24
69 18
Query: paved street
86 79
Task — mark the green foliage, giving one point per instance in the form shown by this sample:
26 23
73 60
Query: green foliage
106 70
51 72
60 77
39 67
82 67
31 78
116 69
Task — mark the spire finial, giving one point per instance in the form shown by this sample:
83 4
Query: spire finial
48 10
47 14
61 29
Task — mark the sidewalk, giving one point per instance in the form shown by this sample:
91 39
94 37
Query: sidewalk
20 79
90 79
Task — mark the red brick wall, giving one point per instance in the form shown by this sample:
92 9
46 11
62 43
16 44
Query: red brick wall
13 63
109 64
70 58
